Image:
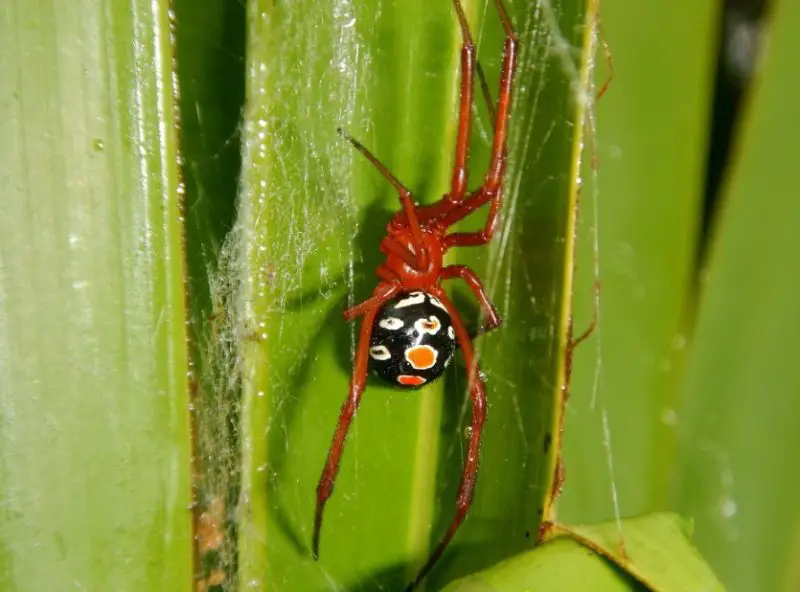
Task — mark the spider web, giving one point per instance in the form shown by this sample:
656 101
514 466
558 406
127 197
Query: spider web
305 248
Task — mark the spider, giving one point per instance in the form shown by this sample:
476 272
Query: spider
410 327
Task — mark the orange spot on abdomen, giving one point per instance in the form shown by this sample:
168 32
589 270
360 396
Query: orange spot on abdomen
421 357
410 380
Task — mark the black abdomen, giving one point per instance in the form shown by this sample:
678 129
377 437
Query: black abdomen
413 340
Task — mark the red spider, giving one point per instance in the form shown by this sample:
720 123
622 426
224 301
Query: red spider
411 348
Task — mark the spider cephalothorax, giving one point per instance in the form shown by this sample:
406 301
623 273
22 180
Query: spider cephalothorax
410 327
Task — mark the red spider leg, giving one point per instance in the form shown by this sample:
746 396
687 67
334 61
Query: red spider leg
473 239
381 294
477 393
391 245
386 274
349 408
473 281
494 176
459 185
405 200
481 237
445 205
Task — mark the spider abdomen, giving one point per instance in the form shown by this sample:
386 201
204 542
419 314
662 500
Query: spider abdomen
413 340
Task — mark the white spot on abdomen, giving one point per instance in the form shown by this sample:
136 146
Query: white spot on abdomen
413 298
431 325
390 323
379 352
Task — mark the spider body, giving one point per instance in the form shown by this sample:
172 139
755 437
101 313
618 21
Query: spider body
410 328
402 256
413 340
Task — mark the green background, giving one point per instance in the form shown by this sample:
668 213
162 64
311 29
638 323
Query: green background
181 227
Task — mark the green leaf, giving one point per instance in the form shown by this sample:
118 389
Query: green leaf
311 219
734 419
643 203
740 426
95 447
657 553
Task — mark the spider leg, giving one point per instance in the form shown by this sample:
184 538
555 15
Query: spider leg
476 200
459 184
463 272
494 176
468 67
386 274
477 393
381 294
403 193
490 191
474 239
349 408
391 245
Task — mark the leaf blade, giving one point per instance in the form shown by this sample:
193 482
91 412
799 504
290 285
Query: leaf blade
310 234
643 200
92 302
736 474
